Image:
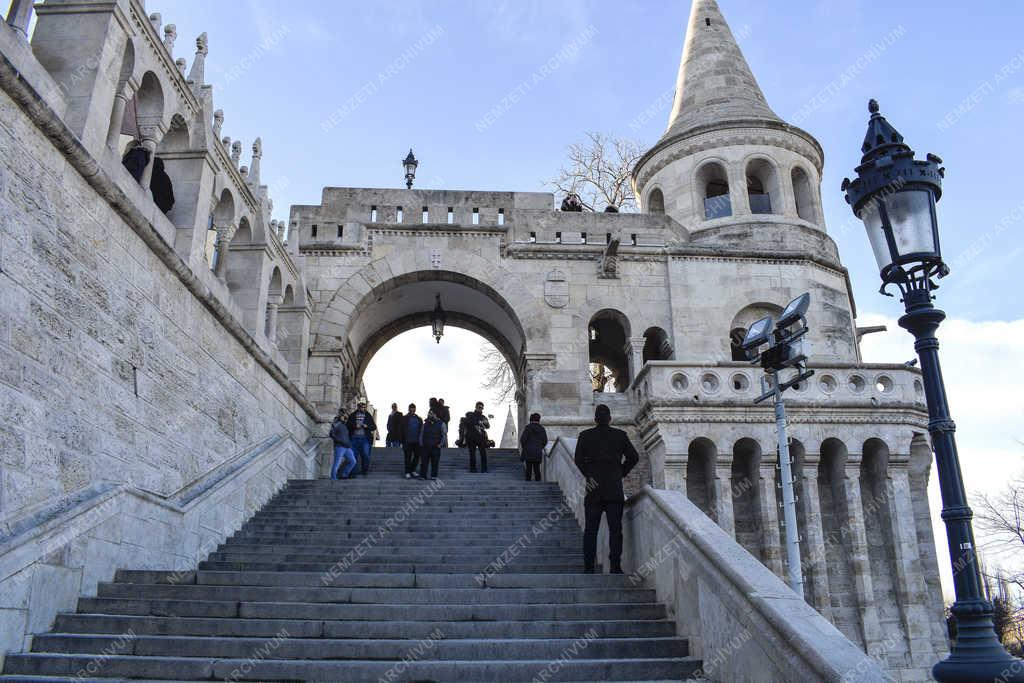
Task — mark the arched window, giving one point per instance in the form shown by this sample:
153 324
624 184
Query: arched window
713 186
608 333
763 187
742 322
804 195
274 291
656 201
657 346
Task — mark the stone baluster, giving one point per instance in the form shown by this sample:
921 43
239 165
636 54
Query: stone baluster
635 352
19 16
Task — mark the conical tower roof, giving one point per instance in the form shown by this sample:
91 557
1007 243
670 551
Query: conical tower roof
509 437
715 84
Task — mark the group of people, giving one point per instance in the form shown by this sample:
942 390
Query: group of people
604 456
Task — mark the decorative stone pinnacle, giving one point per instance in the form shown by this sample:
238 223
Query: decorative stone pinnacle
218 121
257 148
202 47
873 106
180 63
155 19
170 35
236 152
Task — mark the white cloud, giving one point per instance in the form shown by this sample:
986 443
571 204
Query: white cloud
983 364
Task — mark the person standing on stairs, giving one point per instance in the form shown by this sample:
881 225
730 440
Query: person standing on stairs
342 448
432 435
361 428
476 436
444 414
604 456
411 428
393 439
531 445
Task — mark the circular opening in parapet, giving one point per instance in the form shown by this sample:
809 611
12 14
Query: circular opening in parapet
856 384
709 382
828 383
679 382
884 384
740 382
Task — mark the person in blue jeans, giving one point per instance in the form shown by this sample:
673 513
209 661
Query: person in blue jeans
361 428
342 448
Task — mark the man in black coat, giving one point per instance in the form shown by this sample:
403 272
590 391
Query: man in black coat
531 445
475 437
605 456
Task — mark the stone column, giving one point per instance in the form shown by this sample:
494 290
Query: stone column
722 489
813 537
149 140
857 547
271 328
635 352
768 512
19 15
223 239
911 590
117 116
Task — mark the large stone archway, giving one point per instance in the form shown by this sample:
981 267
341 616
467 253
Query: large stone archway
396 293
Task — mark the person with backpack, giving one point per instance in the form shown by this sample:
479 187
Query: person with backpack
432 435
361 428
531 445
342 448
475 436
604 457
393 439
410 429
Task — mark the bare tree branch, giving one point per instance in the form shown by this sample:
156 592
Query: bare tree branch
498 378
599 170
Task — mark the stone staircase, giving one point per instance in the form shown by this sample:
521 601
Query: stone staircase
474 577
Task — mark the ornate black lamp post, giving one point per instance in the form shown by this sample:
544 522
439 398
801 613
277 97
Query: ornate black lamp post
410 164
437 320
895 196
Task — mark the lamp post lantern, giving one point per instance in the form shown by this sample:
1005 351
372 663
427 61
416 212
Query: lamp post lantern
895 194
437 320
410 163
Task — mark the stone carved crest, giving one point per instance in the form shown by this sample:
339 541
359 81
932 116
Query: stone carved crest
556 289
435 259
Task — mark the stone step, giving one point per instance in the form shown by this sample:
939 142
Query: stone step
371 580
452 596
441 555
373 565
402 535
414 545
297 628
285 647
370 612
251 669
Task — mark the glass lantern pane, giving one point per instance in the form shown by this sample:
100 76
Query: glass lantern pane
911 217
872 218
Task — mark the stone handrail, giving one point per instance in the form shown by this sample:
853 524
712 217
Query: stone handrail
741 619
58 552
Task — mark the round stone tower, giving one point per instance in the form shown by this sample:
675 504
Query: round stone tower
728 168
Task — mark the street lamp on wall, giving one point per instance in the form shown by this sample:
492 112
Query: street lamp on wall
410 163
895 194
437 320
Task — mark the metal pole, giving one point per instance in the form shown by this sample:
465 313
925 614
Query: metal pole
796 575
977 654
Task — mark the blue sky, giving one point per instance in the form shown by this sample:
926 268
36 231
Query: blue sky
341 90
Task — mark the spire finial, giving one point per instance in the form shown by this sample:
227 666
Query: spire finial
873 105
197 74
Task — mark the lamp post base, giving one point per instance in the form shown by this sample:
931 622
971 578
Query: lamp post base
978 656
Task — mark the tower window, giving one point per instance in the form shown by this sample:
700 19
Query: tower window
607 238
583 237
533 237
632 239
312 231
501 216
713 183
558 237
340 228
426 215
399 214
476 216
373 214
451 215
707 21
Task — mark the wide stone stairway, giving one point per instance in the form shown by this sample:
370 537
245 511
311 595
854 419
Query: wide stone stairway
473 577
